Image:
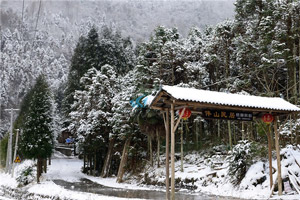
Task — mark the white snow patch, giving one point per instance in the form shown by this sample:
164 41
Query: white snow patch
7 180
65 169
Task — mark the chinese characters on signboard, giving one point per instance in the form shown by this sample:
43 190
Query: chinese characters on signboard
229 115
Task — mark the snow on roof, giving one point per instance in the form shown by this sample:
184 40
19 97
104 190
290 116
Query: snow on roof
147 100
221 98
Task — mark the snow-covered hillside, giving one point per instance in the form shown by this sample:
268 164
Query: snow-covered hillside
43 40
136 19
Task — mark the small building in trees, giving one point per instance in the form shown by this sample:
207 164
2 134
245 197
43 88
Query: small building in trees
217 105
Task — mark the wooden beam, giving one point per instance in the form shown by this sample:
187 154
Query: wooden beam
270 155
165 121
156 99
278 157
172 153
167 126
178 120
197 112
179 107
158 108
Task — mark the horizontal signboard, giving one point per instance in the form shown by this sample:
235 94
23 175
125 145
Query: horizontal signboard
229 115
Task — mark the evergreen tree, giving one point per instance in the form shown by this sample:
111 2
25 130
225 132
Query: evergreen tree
116 51
37 138
196 75
79 66
94 52
92 112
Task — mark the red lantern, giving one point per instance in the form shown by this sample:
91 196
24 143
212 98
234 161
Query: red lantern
267 118
187 113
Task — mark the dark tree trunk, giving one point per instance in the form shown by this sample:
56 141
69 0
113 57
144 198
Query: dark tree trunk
107 162
45 165
95 162
123 161
39 169
84 162
91 168
150 149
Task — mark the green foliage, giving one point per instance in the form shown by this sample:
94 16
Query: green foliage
25 105
37 139
115 51
3 150
262 129
147 116
94 51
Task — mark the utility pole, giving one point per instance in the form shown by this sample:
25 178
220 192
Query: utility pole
1 136
9 146
15 153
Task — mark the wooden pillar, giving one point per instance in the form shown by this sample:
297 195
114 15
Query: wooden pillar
123 161
291 129
201 133
243 130
181 147
219 130
270 155
167 127
234 133
158 146
172 153
229 133
197 138
278 157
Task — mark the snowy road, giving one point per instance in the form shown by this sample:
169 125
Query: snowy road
64 180
67 174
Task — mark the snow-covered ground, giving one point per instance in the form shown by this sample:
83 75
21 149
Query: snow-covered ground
63 168
209 175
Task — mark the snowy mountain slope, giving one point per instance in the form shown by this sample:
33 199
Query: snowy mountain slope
134 18
44 41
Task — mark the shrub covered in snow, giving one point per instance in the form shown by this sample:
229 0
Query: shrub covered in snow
26 173
255 176
240 159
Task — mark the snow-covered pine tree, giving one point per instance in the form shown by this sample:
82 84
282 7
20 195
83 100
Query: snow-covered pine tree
125 129
37 138
79 67
92 112
94 51
116 51
195 72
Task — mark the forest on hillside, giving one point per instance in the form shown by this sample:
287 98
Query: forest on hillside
256 53
40 36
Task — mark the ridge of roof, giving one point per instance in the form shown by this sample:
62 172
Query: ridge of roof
222 98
